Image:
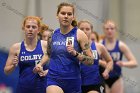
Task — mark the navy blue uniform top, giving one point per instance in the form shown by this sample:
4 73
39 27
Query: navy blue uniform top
27 61
62 64
90 74
116 55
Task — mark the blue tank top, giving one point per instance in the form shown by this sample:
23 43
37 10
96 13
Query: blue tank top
90 74
116 55
62 64
27 61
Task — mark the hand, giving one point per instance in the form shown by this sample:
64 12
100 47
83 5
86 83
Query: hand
43 73
71 50
38 68
105 74
119 63
15 60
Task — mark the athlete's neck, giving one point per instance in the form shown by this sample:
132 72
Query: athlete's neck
66 29
110 40
30 44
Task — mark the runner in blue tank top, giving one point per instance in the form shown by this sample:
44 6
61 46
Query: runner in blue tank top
27 54
66 44
91 79
116 48
116 55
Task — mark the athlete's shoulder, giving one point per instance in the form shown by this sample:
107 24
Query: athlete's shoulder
43 43
81 36
56 30
81 33
99 46
15 48
122 45
16 45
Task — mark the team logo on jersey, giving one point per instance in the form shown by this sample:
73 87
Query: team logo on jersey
115 56
31 57
95 55
70 41
59 43
22 52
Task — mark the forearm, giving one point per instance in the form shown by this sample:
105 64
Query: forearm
44 60
102 63
9 69
87 60
130 64
109 66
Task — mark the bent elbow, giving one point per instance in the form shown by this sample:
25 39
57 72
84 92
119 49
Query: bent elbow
6 71
135 65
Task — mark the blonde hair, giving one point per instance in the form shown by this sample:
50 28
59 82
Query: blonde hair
85 21
109 21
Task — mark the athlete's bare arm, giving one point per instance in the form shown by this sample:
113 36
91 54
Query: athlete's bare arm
107 59
12 60
131 63
87 56
46 49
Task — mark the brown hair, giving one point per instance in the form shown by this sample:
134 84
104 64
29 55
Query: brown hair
65 4
44 27
96 34
74 22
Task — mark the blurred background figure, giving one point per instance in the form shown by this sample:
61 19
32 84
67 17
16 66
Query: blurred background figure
90 75
45 32
117 49
94 36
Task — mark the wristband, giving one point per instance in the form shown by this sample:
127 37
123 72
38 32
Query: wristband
76 54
